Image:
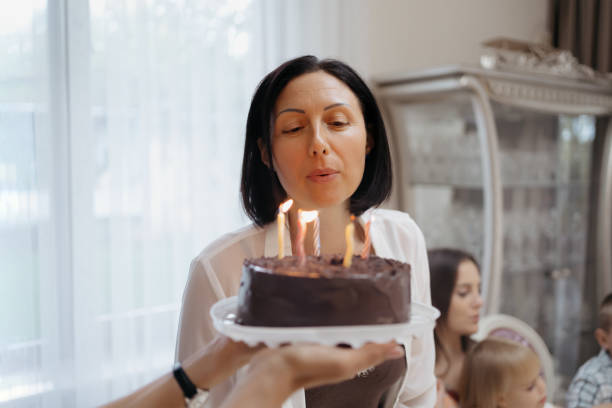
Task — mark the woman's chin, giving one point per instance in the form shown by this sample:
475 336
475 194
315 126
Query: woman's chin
327 202
471 330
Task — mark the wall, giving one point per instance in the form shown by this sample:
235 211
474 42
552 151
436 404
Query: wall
403 35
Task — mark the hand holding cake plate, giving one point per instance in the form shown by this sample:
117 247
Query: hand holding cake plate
422 319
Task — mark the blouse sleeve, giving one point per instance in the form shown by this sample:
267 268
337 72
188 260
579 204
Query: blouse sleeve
419 388
195 326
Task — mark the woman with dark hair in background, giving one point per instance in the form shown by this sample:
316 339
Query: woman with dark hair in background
315 134
455 288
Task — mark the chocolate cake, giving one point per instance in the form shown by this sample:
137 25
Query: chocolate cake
279 293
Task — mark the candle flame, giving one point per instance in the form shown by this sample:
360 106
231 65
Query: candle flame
308 216
284 207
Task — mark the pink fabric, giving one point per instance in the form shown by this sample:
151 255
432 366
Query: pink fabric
444 400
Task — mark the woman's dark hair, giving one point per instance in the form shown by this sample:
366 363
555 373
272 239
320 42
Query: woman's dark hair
443 266
260 188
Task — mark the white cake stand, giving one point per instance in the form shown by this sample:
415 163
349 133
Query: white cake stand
223 313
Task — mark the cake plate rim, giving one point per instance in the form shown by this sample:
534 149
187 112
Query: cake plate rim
223 313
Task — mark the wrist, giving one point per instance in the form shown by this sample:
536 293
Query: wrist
205 367
198 370
218 360
193 395
281 374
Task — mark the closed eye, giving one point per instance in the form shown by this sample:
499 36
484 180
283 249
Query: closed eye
338 123
292 130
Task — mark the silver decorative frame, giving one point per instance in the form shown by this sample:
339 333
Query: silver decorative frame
533 90
604 225
391 97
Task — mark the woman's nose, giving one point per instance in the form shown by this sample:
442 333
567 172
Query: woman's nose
478 302
318 143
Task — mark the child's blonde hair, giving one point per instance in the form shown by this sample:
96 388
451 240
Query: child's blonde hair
489 370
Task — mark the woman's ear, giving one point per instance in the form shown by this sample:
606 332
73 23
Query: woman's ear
369 143
263 151
602 337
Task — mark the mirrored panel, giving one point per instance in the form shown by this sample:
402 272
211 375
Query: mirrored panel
441 171
545 165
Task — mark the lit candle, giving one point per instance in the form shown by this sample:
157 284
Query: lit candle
299 241
316 236
367 245
349 232
280 221
304 217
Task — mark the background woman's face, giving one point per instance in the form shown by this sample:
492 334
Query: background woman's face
466 302
318 141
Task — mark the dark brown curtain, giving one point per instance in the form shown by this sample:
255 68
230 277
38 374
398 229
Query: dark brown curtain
584 27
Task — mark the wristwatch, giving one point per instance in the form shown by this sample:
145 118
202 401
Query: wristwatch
194 397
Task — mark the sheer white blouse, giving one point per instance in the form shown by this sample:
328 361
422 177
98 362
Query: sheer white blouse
215 274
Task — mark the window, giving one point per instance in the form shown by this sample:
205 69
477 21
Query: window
121 126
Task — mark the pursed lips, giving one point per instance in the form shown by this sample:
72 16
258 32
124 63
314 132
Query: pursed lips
322 175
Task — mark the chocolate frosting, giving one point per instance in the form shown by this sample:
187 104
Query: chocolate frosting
281 293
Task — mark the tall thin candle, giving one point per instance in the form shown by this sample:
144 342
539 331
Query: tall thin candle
304 217
280 221
349 233
316 236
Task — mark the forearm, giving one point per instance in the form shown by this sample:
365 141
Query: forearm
163 392
206 368
267 386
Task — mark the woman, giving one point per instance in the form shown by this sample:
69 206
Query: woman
315 134
455 288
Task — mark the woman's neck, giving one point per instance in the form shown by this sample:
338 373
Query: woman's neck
449 363
332 223
450 341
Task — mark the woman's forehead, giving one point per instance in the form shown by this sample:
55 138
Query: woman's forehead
318 88
467 272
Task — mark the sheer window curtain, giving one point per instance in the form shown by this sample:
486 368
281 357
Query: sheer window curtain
121 126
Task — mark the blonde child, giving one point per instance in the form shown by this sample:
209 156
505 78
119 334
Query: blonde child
500 373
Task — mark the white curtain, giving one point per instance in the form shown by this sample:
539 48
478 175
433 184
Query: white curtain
121 135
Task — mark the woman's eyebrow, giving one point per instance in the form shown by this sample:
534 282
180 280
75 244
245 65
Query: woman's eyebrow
334 105
290 110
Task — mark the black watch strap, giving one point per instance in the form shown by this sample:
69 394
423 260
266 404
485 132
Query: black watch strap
189 389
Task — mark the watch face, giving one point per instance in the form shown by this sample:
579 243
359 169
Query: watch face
198 400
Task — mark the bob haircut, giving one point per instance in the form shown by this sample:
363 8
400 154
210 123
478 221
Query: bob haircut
443 267
491 368
260 188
